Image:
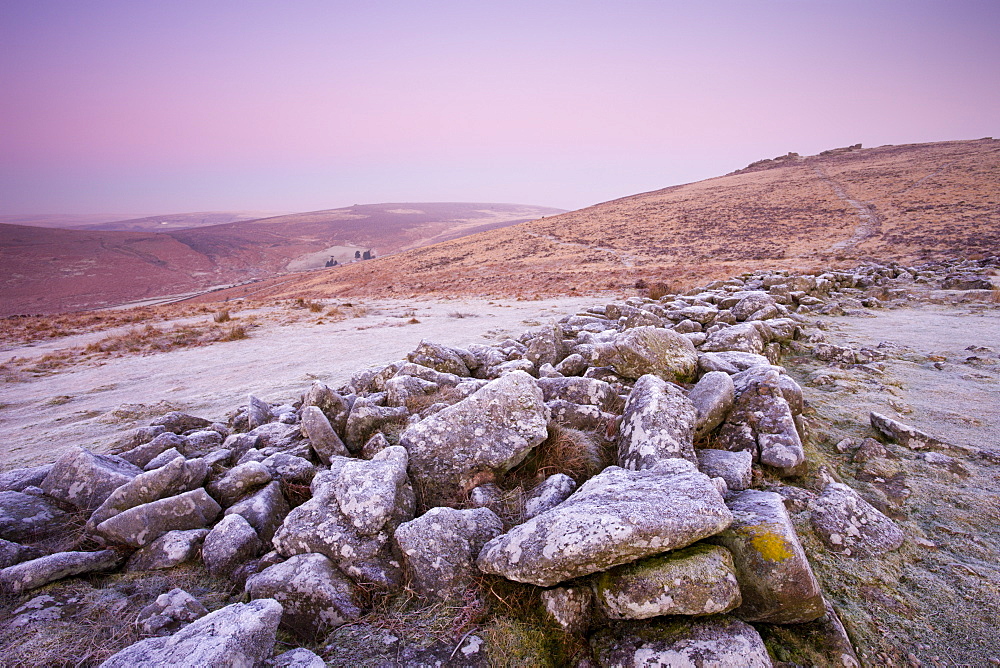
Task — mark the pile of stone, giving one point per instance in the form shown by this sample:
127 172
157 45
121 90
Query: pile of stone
398 479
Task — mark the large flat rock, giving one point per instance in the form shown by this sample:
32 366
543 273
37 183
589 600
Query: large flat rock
616 517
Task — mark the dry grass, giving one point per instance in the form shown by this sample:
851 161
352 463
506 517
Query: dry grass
101 621
136 340
153 339
578 454
416 403
660 289
28 329
790 216
222 316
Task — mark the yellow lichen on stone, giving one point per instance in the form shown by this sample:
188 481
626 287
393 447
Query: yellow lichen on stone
770 545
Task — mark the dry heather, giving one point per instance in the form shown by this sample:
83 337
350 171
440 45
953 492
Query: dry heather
908 203
29 329
135 340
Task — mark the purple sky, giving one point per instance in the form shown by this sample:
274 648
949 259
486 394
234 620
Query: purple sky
192 105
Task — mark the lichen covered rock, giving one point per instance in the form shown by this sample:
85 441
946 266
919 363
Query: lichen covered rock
440 548
849 525
719 642
241 634
654 350
697 580
776 580
616 517
314 595
488 432
657 424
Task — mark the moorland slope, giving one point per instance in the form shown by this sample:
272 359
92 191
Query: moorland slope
908 203
56 270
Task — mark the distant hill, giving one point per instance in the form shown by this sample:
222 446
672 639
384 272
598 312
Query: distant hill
49 270
135 223
909 203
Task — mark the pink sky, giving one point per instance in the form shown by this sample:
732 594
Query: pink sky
193 105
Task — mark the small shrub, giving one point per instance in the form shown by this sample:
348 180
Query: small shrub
235 333
222 316
659 290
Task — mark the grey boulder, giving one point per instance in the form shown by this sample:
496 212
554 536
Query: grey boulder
85 480
16 480
238 482
179 476
586 391
143 524
169 612
167 551
736 468
903 434
654 350
315 596
441 358
241 634
849 525
697 580
143 454
14 553
321 434
550 493
354 510
716 642
229 544
657 424
440 549
32 574
616 517
747 337
712 398
26 517
264 509
776 580
487 433
299 657
762 420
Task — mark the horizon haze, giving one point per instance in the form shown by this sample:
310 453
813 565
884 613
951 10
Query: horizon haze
113 106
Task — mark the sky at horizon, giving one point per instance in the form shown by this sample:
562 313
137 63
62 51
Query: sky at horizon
116 106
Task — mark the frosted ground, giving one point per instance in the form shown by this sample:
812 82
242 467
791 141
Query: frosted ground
89 404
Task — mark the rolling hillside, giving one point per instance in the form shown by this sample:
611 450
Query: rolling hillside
908 202
50 270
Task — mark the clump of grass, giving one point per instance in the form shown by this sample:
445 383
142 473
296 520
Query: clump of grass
412 321
459 314
659 290
153 339
512 644
415 403
313 306
235 333
222 316
28 328
578 454
404 617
